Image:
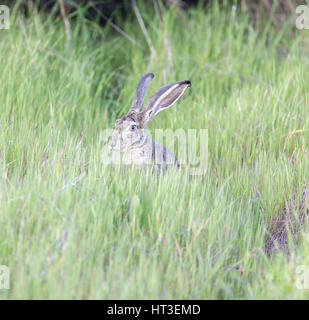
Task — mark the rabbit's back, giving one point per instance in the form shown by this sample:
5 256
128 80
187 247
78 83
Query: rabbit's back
162 157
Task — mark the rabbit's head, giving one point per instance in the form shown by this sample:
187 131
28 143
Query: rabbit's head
130 130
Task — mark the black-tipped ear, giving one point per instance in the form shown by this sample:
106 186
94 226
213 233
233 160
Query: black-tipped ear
164 98
140 92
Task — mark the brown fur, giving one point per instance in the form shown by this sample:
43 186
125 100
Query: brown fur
130 135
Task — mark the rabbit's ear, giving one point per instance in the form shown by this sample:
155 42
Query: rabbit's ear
165 97
140 92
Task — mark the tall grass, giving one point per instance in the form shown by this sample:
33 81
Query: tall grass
72 228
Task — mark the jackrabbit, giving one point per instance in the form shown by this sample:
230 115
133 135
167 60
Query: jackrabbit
130 136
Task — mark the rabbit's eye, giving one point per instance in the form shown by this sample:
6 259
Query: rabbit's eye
133 127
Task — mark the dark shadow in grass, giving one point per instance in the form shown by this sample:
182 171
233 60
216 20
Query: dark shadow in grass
287 227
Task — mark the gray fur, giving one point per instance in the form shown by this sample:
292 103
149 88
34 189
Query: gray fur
130 136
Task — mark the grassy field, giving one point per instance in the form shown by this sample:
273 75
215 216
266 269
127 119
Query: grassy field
72 228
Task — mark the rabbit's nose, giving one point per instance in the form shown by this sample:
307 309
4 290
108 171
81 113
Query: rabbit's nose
113 142
113 146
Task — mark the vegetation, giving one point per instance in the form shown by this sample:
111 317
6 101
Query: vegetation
73 228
